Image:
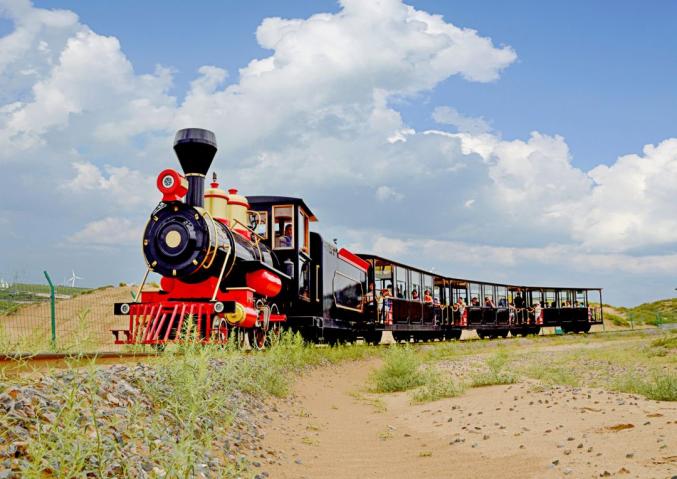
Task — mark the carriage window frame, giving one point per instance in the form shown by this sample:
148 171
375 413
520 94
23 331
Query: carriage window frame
416 280
381 280
487 290
403 280
292 219
474 291
501 293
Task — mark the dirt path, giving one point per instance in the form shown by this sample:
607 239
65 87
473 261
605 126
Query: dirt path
332 428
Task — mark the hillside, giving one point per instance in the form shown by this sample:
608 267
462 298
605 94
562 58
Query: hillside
661 311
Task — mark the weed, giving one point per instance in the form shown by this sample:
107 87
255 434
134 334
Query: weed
400 371
495 374
436 386
661 385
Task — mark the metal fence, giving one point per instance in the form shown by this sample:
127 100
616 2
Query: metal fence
42 317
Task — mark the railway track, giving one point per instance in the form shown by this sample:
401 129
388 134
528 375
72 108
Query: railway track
114 357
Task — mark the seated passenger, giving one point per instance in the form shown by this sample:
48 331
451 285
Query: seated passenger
399 292
286 239
474 302
389 287
414 294
502 303
488 303
427 297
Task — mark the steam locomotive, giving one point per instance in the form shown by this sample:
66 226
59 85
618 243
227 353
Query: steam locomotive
249 265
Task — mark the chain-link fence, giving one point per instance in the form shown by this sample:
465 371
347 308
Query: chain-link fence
41 317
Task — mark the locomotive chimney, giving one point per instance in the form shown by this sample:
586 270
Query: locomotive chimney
195 149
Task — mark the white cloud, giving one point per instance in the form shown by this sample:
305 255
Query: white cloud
386 193
126 187
466 124
109 231
319 112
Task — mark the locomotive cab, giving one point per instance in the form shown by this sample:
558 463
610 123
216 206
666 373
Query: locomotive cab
283 225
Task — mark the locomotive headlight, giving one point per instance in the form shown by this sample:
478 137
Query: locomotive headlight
168 181
218 307
124 308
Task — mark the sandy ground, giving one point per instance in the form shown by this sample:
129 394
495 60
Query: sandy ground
83 323
332 428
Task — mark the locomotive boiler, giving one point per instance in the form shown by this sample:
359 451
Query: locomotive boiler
214 270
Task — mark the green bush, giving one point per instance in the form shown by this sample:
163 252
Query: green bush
400 371
496 373
436 386
659 386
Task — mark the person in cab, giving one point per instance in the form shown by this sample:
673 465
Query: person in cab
287 240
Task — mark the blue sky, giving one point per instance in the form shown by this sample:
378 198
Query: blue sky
540 148
601 74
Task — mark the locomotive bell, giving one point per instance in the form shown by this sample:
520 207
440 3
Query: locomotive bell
195 148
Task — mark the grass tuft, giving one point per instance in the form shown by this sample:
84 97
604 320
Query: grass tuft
436 386
659 386
400 371
496 373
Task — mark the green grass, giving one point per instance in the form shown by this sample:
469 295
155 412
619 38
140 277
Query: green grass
436 386
647 313
496 372
659 385
400 371
188 400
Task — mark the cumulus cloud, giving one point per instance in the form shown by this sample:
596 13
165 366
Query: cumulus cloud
319 112
467 124
108 231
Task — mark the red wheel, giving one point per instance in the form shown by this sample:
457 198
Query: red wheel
257 338
220 330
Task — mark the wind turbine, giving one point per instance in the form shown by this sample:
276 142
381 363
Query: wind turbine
73 278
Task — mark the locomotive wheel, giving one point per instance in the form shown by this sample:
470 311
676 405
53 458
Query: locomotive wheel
481 334
257 338
220 331
586 329
240 337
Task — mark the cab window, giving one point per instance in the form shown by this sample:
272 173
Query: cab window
261 229
283 227
304 231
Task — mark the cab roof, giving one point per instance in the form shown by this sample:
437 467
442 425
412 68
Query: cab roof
281 200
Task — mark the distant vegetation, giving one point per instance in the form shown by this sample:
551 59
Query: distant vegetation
664 311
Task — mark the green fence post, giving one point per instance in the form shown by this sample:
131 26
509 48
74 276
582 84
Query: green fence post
52 301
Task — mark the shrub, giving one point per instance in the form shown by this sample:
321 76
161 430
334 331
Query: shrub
400 371
495 374
436 386
659 386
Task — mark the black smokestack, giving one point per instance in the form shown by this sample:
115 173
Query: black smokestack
195 149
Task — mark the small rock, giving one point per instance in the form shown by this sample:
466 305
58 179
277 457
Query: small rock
555 462
298 461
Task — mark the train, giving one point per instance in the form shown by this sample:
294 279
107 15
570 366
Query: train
245 267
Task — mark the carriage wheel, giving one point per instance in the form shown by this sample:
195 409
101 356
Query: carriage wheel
373 338
257 338
220 330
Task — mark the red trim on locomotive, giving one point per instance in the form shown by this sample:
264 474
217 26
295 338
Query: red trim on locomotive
353 259
264 282
174 191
